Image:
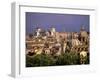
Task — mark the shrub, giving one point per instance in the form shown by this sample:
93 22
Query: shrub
39 60
67 59
49 60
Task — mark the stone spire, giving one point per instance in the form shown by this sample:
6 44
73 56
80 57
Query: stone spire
82 28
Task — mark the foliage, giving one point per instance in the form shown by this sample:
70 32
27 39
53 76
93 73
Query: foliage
39 60
67 59
49 60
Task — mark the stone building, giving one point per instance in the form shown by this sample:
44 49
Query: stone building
83 35
53 42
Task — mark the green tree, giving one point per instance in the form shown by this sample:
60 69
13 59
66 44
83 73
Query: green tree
67 59
40 60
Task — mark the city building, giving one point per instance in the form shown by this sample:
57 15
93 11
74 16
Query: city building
53 42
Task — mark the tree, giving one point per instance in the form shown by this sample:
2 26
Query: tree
70 58
39 60
67 59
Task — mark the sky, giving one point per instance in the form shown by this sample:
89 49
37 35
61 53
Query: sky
62 22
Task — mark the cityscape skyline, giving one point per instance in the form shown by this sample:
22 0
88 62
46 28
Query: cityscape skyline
62 22
54 39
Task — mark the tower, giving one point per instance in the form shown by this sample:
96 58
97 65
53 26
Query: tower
82 28
83 34
38 32
53 31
